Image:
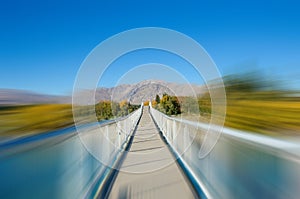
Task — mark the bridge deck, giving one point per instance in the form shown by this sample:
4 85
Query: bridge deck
149 170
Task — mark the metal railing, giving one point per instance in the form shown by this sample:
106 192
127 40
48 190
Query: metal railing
241 165
115 137
58 165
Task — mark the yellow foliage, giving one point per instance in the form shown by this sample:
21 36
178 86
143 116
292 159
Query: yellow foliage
153 103
146 103
123 103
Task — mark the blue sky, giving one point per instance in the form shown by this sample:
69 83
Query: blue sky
43 43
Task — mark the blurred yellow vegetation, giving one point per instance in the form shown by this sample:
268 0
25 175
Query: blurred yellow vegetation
253 104
146 103
30 119
261 105
269 115
20 120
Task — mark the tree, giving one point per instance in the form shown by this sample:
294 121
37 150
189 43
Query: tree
116 109
175 105
123 108
103 110
157 99
132 108
146 103
107 109
170 105
154 103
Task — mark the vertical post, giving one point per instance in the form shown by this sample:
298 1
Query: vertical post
174 135
105 145
119 139
186 142
167 129
126 128
118 130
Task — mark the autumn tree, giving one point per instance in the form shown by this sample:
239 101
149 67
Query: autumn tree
103 110
107 109
146 103
169 105
116 109
154 103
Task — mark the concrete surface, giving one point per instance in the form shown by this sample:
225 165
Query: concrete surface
149 169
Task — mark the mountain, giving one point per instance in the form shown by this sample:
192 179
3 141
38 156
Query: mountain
134 93
13 96
147 90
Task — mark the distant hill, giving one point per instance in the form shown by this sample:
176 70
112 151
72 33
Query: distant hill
147 90
134 93
13 96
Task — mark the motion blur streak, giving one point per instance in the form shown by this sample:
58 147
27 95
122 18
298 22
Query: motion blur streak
257 155
56 164
57 167
241 165
264 106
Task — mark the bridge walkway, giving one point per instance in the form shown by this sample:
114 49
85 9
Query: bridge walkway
149 169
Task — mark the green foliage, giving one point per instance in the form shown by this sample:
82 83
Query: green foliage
104 110
157 99
107 110
116 109
169 105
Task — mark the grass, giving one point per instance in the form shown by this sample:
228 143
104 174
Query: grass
264 112
25 120
271 116
31 119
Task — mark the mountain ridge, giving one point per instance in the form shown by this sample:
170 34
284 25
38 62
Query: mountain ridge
134 93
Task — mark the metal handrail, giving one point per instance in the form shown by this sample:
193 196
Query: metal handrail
255 165
60 166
